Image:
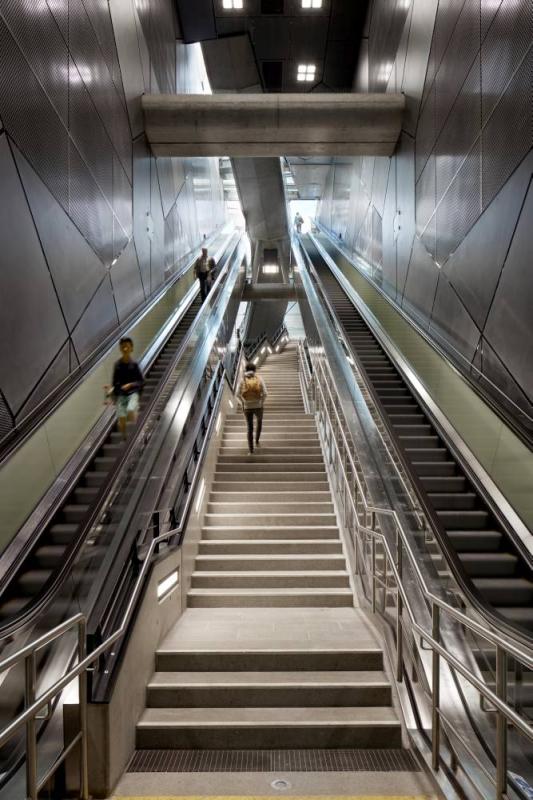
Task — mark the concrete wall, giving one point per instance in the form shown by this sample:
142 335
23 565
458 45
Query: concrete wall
90 223
445 225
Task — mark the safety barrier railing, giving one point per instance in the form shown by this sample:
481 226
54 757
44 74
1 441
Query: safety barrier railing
381 571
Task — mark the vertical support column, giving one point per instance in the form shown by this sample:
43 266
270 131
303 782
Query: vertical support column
399 610
435 694
31 738
501 725
82 691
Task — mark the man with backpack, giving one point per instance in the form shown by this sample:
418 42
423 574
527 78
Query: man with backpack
252 393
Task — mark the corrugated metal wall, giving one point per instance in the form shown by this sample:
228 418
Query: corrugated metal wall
447 224
90 224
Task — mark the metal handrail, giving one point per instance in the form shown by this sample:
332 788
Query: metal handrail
327 404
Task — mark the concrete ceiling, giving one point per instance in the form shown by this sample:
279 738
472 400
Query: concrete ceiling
284 35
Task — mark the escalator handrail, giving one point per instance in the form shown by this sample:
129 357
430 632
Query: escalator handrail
49 590
521 647
458 571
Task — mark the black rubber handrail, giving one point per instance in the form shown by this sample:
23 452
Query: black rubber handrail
450 555
48 591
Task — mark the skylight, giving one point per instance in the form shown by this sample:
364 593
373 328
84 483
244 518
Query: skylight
306 72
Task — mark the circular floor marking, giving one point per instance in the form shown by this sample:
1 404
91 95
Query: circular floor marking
280 785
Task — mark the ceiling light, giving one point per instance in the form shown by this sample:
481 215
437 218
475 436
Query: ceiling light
311 3
232 4
306 72
270 269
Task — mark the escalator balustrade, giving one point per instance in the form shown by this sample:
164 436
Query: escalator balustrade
492 562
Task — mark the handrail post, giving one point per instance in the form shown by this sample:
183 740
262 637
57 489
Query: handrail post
435 694
501 724
31 738
373 574
82 691
399 610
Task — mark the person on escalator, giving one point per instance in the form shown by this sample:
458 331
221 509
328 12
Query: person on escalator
252 394
204 269
127 385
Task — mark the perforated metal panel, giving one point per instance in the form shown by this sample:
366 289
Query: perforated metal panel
6 419
89 209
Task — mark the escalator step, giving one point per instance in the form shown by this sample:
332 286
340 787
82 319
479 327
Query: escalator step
475 541
94 478
506 591
453 483
464 520
430 454
483 565
432 469
31 581
518 615
49 555
450 501
74 513
62 533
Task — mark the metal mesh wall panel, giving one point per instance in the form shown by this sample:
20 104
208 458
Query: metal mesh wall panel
6 420
503 50
89 134
30 118
89 209
460 131
460 206
36 33
508 135
426 131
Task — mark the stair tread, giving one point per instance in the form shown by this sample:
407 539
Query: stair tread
299 591
337 716
308 678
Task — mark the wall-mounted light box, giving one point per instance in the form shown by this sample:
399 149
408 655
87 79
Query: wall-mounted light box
165 586
306 72
311 3
231 5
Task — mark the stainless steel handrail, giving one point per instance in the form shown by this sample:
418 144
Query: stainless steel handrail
354 494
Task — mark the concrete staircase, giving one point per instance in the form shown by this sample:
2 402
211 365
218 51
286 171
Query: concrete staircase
271 651
268 512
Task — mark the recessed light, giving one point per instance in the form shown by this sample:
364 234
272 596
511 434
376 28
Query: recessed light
306 72
270 269
311 3
230 5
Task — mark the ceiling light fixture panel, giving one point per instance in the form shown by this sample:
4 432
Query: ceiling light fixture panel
232 5
311 3
306 73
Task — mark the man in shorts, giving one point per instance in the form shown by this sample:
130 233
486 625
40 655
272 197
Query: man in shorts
127 385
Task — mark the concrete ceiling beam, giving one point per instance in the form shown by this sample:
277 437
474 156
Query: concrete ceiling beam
254 125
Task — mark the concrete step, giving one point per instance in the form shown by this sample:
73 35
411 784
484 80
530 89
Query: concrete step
270 579
269 506
261 457
237 728
260 546
270 561
266 519
271 531
278 468
267 475
269 598
301 451
269 487
264 496
246 659
268 689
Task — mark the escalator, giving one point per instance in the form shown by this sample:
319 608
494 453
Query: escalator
45 556
485 553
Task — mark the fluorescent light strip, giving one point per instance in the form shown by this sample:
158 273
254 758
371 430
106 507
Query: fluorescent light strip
164 586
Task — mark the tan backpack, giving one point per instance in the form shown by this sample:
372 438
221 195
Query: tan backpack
251 389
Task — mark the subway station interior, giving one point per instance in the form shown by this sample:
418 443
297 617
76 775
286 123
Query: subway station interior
266 399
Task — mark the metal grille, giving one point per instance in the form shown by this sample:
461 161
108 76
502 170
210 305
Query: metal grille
272 761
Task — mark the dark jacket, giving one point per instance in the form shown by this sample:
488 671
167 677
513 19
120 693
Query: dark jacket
127 372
